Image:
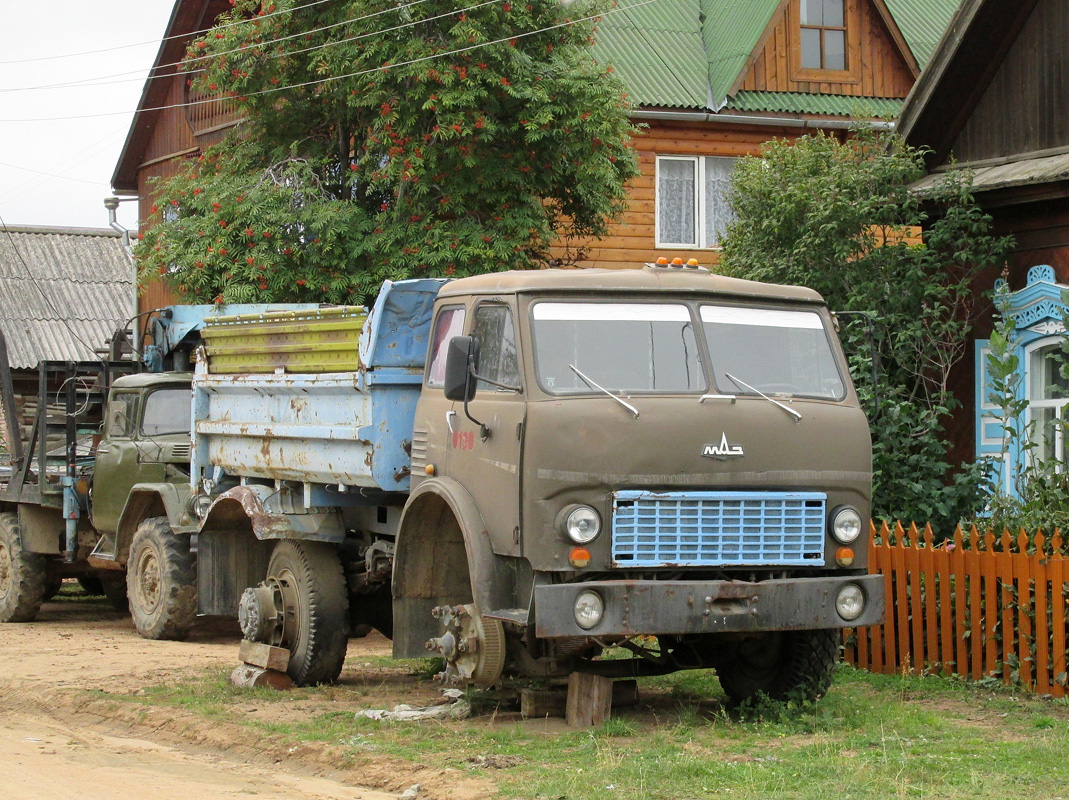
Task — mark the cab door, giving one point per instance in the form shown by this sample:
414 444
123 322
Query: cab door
116 456
489 467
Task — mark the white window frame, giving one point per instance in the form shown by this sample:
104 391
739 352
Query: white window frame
1033 352
700 240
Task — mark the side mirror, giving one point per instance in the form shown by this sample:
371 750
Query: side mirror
461 364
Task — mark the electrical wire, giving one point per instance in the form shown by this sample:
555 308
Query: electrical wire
87 82
332 78
50 175
158 41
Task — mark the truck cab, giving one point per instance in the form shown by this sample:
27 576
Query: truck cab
145 440
650 453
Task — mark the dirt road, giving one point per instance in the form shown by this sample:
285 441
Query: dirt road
57 741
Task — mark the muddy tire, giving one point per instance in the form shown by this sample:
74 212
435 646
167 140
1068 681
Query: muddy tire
114 589
91 585
784 665
54 586
161 581
23 576
315 609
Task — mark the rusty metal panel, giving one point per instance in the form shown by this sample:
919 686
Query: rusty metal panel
317 341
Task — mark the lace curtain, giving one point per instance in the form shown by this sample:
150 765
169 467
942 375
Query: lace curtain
675 190
718 213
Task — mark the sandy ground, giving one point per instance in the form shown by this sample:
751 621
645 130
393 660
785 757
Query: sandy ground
61 741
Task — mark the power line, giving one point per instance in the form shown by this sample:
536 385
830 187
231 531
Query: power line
51 175
86 82
158 41
357 74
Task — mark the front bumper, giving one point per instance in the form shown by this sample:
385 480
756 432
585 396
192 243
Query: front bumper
635 608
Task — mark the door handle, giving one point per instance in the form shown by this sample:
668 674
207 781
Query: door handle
449 420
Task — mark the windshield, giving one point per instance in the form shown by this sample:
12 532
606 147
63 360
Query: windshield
166 411
623 347
774 351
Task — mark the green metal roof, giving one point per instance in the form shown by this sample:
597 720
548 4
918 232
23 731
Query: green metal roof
922 23
689 53
799 103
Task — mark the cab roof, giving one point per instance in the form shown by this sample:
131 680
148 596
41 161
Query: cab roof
142 379
648 279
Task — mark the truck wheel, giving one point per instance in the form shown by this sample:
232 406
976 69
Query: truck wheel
310 585
23 576
161 581
91 585
114 588
783 665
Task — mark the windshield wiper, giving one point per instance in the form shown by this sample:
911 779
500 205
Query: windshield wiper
603 390
745 385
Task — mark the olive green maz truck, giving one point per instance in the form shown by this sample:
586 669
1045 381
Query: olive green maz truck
619 472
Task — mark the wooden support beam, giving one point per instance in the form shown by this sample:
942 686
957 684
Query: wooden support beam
589 700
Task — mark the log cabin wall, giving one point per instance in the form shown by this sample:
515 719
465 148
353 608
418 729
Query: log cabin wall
1023 109
631 243
874 59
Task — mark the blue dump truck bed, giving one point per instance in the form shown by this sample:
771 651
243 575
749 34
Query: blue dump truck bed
321 397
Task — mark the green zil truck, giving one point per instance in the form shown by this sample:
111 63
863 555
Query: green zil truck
96 456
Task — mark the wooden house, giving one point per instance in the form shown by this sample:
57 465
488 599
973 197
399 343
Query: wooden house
992 101
711 80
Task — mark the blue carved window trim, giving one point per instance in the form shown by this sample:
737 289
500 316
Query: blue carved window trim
1037 310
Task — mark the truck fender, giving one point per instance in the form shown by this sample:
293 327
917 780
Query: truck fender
443 556
148 500
252 505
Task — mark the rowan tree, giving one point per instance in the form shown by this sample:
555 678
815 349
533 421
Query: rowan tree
385 140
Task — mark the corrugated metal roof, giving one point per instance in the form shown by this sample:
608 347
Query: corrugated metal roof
689 53
1045 169
799 103
731 31
63 292
922 23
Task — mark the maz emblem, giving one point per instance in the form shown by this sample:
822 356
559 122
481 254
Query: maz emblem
723 450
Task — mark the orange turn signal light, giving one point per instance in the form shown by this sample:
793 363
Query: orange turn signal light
844 557
579 557
430 469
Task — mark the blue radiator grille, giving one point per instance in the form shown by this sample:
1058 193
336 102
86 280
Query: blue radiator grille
707 529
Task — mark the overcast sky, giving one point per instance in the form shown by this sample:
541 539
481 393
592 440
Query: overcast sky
58 171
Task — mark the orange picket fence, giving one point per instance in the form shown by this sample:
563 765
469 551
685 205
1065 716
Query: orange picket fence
975 605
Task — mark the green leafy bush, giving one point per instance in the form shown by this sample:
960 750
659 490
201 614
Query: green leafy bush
829 214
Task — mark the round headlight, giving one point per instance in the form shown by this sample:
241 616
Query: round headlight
581 524
589 609
199 505
845 524
850 602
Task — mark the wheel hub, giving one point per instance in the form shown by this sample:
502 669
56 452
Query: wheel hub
270 612
473 646
147 584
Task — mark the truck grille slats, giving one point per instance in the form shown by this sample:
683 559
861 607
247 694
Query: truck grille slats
718 529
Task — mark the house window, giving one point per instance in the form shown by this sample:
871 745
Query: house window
693 208
823 34
1048 393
